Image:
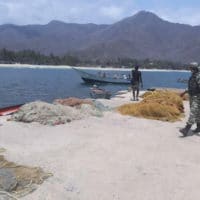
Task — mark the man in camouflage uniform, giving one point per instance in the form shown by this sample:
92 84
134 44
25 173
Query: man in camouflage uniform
194 98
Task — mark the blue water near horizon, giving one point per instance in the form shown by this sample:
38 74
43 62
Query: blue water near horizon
22 85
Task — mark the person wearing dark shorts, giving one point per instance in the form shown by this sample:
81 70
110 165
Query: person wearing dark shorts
136 82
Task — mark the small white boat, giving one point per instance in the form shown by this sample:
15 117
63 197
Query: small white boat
181 80
99 93
95 78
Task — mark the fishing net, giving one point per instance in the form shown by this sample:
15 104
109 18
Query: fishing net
51 114
164 97
17 180
2 150
179 92
159 105
72 101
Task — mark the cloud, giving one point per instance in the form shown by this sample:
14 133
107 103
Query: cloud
112 12
78 11
21 12
89 11
182 15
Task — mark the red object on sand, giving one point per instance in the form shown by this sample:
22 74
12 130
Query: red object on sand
9 110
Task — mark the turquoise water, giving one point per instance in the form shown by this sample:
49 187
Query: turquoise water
27 84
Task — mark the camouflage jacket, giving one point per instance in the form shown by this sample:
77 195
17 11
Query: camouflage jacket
194 84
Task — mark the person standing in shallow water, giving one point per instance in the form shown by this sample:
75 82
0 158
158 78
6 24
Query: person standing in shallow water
136 81
194 98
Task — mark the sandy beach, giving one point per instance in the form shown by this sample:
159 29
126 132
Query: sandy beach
113 157
21 66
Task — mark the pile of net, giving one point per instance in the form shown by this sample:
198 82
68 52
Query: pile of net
160 105
185 96
179 92
17 180
53 114
72 101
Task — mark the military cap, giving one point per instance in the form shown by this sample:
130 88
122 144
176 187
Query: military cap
194 67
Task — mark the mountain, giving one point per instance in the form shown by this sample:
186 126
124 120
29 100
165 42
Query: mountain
141 36
55 37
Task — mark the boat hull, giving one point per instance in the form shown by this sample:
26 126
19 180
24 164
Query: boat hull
92 78
9 110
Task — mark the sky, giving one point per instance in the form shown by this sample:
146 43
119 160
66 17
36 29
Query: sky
23 12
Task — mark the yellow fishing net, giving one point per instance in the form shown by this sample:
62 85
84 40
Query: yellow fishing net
17 180
160 105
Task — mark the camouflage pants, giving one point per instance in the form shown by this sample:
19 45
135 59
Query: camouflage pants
194 109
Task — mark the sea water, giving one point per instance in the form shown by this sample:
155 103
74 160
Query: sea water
22 85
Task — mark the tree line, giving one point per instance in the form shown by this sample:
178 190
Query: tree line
144 64
36 58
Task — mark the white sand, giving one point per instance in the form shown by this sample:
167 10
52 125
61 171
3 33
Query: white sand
111 158
21 66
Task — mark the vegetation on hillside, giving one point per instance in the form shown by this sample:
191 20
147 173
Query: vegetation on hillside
36 58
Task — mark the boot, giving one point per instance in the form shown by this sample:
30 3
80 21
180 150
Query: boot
197 130
185 130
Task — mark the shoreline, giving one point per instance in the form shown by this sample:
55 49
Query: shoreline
28 66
